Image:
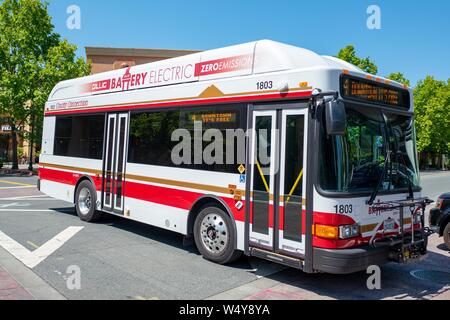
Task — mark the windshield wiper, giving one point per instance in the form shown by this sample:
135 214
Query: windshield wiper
380 182
410 187
386 161
400 155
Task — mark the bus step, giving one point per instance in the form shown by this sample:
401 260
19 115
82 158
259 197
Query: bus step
278 258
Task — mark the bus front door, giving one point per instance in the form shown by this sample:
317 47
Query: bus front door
277 193
114 163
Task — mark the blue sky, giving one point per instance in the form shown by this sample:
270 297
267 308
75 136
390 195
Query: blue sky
414 38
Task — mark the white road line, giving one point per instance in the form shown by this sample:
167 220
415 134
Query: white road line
32 258
35 210
49 199
26 197
26 210
23 187
14 204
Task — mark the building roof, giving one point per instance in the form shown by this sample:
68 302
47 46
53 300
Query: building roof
133 52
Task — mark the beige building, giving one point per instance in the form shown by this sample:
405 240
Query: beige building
107 59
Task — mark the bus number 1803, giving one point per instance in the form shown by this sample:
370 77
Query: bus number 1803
264 85
343 209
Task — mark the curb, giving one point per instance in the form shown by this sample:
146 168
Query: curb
18 173
29 280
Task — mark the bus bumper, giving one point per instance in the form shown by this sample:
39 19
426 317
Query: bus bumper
398 249
345 261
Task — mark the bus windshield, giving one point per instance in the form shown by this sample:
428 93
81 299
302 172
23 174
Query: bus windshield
375 139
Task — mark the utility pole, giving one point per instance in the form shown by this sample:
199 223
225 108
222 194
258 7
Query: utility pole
31 143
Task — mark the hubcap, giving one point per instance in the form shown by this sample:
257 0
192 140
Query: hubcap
214 233
84 201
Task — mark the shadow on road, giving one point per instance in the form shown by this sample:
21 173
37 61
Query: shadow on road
260 268
141 229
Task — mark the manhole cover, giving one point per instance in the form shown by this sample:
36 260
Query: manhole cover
432 275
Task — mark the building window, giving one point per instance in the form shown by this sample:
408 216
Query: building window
80 136
151 136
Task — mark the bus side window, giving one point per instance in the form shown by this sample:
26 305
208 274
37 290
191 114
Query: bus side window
79 136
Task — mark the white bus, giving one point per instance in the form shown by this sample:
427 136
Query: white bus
324 179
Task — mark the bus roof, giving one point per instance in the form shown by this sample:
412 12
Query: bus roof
257 57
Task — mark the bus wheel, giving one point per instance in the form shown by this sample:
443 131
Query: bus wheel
86 198
215 236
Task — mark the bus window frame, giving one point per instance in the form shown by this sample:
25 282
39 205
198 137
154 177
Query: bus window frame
241 106
81 114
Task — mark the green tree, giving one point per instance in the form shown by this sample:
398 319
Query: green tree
399 77
432 109
349 54
61 64
33 58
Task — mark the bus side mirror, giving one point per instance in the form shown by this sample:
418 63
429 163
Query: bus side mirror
335 118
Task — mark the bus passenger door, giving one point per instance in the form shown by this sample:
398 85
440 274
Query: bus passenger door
114 163
262 179
292 186
277 186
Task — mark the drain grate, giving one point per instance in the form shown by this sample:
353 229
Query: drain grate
440 277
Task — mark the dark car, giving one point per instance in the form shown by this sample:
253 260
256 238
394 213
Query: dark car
440 218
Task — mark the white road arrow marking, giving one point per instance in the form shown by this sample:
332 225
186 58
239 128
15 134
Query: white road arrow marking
32 258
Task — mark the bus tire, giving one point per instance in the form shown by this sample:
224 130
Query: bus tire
215 236
85 202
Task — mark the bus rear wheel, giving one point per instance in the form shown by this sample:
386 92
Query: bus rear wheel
214 235
85 202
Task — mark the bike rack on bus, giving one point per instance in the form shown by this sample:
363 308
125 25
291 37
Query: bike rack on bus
410 244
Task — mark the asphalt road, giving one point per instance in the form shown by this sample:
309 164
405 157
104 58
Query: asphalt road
121 259
435 183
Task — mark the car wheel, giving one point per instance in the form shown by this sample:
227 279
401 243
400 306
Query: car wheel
85 202
215 236
447 236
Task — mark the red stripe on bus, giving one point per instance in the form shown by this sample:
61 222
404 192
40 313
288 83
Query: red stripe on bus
157 194
166 196
65 177
281 219
184 103
171 197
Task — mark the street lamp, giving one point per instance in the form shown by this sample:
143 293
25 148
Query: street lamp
29 104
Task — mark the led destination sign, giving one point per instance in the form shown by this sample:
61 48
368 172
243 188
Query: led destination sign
373 92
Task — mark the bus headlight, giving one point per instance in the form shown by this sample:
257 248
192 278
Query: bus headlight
349 231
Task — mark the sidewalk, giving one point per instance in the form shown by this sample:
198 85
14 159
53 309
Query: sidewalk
22 171
10 289
17 282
